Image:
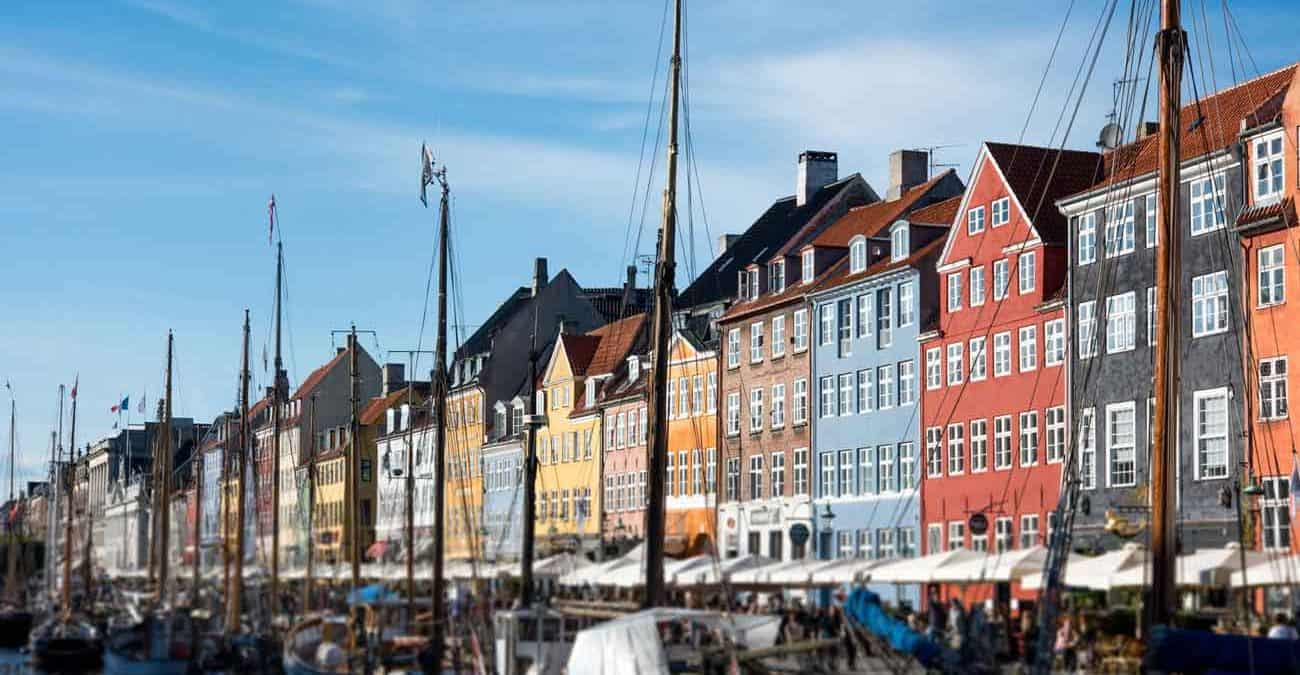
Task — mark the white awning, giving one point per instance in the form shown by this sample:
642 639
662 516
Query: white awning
846 571
1204 567
1095 573
996 567
714 574
631 645
921 570
1275 568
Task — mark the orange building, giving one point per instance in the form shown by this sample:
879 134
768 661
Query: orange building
692 478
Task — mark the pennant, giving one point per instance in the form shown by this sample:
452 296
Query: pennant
270 216
75 383
116 408
426 173
126 404
1293 485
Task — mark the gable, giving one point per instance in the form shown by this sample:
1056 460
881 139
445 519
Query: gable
680 349
987 185
558 367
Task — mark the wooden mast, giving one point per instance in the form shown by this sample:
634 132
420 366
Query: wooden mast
351 520
11 573
1171 44
165 482
196 460
665 274
311 506
280 392
439 390
69 481
530 471
233 609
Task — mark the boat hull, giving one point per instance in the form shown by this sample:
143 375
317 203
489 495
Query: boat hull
15 627
66 654
121 664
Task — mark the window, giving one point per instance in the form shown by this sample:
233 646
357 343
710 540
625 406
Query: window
865 314
827 325
778 474
976 286
1055 434
711 470
1028 348
776 276
956 535
733 413
1209 304
1151 316
801 471
885 386
1121 322
884 317
1001 354
1001 211
733 348
954 291
1029 530
756 409
1028 271
684 402
1054 342
846 473
1272 388
954 363
933 368
906 305
1119 230
755 342
1001 279
1211 433
866 549
1002 442
1087 450
756 477
979 542
857 254
866 398
978 360
934 451
1272 276
800 330
800 402
806 265
1087 329
778 336
1207 202
956 449
710 399
668 484
1120 445
846 394
888 481
733 478
1268 168
845 326
899 243
979 445
906 466
1149 215
906 382
828 397
1275 508
1029 438
975 220
828 474
778 406
934 538
884 543
1087 226
683 466
1002 535
844 544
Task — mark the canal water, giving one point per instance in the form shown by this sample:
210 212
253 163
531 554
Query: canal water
13 662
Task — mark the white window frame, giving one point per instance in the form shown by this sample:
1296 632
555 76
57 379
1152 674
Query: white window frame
800 330
1002 453
1205 470
1120 236
1121 447
866 313
1206 204
933 368
778 406
733 413
733 348
979 359
1086 316
1086 245
956 535
906 465
1150 209
778 336
887 479
954 291
899 242
847 390
956 361
1209 301
1001 278
800 471
1028 530
1054 342
956 444
1001 211
975 220
1027 271
1029 438
934 452
755 409
1088 449
799 402
807 266
857 254
1275 514
777 471
826 389
1028 342
885 387
979 446
1121 322
1003 536
826 325
1268 167
756 342
1273 390
906 304
1270 278
976 286
906 382
1056 439
1002 354
866 390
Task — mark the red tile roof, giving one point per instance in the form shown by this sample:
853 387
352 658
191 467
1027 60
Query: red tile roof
616 340
317 376
1041 176
939 213
839 273
873 218
1210 126
375 407
1283 211
579 349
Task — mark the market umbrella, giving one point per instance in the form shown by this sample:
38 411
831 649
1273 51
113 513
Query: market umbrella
921 570
1095 573
724 569
996 567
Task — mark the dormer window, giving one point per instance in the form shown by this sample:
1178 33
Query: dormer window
807 265
591 392
776 276
857 254
633 368
1268 168
753 283
406 416
742 288
517 417
899 242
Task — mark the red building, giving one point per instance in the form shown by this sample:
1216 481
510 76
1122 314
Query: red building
994 402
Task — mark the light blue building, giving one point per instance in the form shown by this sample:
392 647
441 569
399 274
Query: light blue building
867 378
503 498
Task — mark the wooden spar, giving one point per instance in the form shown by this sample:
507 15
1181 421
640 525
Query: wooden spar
233 604
530 476
1170 45
224 495
311 506
196 461
71 483
351 520
439 390
165 482
11 571
280 392
665 274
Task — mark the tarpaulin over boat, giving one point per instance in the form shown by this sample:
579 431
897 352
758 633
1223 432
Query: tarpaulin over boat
1194 651
631 645
864 607
373 594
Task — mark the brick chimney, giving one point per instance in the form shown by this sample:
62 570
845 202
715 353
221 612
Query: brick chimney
907 169
540 277
394 377
817 169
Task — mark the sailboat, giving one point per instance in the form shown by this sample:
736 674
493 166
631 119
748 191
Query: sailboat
67 642
15 617
157 639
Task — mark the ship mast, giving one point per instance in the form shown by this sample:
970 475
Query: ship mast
665 274
11 574
280 392
67 536
311 506
351 520
1171 45
233 609
530 473
164 509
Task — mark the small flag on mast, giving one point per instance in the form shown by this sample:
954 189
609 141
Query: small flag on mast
426 172
270 215
75 383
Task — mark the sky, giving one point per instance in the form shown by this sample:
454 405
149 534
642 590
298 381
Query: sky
142 139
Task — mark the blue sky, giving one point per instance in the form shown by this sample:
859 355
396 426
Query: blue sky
142 139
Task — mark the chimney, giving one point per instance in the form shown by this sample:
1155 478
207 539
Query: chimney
1147 128
629 289
394 377
339 350
907 169
540 277
725 241
565 326
817 169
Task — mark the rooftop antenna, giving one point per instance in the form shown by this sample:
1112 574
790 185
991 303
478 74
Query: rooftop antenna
929 151
1111 135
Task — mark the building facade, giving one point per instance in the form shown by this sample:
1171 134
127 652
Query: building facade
624 462
691 494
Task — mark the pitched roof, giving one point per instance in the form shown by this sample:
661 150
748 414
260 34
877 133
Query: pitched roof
782 220
481 340
616 340
579 349
938 213
1040 176
839 272
791 293
318 375
1212 125
1283 211
871 219
375 407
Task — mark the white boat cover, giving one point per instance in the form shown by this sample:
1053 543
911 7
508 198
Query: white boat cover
994 567
921 570
630 645
1095 573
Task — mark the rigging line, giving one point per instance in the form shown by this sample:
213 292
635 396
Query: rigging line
645 132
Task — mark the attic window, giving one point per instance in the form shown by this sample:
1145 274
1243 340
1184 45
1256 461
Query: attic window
807 265
776 276
857 254
633 368
899 242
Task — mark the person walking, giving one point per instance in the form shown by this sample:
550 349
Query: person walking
1282 629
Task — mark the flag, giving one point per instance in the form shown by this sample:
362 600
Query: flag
1293 484
116 408
426 172
126 404
270 216
74 386
140 408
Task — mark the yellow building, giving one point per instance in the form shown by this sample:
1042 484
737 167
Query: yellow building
464 505
570 476
692 476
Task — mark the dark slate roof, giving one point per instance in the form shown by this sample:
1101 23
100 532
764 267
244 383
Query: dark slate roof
481 340
1041 176
764 238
